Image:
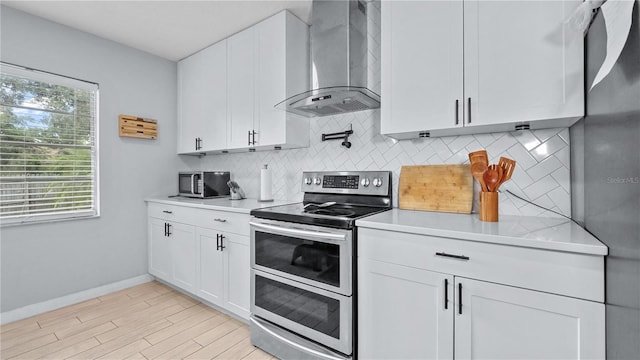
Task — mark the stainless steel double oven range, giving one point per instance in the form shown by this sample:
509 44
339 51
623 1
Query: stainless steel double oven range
303 267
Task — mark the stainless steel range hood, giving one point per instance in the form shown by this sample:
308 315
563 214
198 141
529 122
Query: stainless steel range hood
338 62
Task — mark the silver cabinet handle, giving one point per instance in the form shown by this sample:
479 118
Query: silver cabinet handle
167 212
220 220
469 111
457 115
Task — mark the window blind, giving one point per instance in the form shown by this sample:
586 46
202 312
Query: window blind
48 146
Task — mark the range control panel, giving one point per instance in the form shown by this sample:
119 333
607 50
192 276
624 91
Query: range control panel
340 181
347 182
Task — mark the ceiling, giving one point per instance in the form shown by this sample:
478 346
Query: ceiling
169 29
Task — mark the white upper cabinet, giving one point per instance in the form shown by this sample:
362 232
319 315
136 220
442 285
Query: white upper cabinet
202 100
227 92
240 88
281 71
268 63
421 65
456 67
522 63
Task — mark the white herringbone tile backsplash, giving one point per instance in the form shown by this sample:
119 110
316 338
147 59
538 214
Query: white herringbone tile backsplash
542 156
541 174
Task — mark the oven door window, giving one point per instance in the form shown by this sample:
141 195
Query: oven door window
189 184
306 308
184 183
314 260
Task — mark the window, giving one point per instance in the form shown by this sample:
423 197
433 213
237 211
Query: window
48 146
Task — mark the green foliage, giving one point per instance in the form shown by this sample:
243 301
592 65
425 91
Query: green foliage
45 132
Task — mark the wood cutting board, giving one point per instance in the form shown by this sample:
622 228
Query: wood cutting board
443 188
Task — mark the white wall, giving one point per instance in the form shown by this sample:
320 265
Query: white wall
46 261
541 175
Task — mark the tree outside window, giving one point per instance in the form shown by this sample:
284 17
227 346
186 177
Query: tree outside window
48 154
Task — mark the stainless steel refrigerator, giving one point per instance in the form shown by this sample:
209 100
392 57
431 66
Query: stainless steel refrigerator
606 180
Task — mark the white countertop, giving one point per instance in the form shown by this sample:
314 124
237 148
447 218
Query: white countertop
243 206
535 232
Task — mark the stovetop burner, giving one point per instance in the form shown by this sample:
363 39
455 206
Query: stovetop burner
355 194
331 212
342 216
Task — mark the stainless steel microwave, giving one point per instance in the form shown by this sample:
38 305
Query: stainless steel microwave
203 184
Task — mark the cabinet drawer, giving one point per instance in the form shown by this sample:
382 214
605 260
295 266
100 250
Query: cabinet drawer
570 274
166 212
211 219
223 221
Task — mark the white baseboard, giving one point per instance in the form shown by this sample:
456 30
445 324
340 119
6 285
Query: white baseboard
42 307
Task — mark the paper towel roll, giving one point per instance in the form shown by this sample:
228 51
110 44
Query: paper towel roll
265 184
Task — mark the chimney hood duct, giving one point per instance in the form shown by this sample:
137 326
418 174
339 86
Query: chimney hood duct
338 62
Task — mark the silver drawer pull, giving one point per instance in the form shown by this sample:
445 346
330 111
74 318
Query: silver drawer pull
220 220
461 257
167 212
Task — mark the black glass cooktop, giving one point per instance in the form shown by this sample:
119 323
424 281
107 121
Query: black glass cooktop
341 216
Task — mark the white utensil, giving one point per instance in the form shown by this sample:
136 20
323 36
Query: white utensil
323 205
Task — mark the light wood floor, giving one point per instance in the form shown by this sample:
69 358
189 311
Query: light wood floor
149 321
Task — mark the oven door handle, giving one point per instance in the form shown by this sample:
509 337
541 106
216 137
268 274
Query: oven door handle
300 233
293 343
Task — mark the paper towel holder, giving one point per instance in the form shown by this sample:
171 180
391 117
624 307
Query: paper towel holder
262 171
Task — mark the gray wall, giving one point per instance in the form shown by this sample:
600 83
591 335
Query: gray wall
44 261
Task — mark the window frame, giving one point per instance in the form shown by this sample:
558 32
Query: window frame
62 80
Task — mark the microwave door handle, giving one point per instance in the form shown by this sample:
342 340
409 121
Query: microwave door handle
298 232
193 176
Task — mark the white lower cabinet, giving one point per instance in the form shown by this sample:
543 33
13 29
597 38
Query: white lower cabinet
426 311
237 274
401 312
505 322
172 252
224 270
196 250
159 249
211 285
183 253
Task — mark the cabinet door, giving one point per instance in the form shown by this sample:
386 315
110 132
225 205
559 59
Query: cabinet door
240 87
159 250
189 102
521 63
183 250
211 270
503 322
237 274
202 99
270 79
402 313
422 65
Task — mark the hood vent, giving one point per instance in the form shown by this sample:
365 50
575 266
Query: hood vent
338 62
